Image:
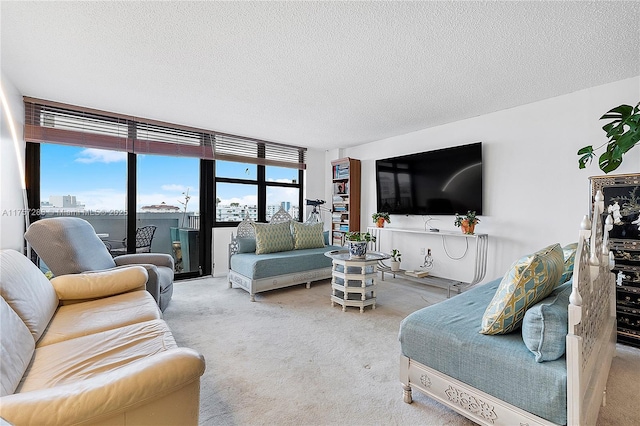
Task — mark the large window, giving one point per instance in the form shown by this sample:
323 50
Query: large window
83 158
168 199
88 183
243 191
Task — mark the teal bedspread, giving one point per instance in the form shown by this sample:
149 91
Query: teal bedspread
446 338
257 266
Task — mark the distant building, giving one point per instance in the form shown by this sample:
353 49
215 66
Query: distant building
160 208
62 202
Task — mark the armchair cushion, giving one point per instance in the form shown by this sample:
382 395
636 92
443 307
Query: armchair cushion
100 284
68 245
158 259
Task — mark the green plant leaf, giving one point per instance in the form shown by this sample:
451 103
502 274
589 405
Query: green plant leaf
623 133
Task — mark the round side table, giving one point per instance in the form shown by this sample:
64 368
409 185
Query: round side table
353 280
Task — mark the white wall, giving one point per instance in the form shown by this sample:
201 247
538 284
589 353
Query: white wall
12 219
534 193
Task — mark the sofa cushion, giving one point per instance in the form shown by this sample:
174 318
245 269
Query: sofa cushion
545 325
569 253
85 357
261 266
307 235
529 280
29 293
80 319
16 349
273 237
50 239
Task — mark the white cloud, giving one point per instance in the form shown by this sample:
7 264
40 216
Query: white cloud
275 195
174 187
247 200
94 155
102 199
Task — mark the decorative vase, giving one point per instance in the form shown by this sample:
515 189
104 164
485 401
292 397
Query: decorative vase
468 228
357 249
380 222
395 266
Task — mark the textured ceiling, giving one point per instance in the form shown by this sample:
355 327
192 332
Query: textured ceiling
316 74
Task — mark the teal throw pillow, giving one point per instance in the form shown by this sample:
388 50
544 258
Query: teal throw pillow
529 280
307 235
246 245
273 237
545 325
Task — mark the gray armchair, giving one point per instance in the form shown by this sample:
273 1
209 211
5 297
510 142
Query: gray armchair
69 245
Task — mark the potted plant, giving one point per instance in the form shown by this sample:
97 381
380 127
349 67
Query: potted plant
467 222
357 243
395 260
623 133
380 218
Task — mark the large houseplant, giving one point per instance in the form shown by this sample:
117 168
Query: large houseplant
623 133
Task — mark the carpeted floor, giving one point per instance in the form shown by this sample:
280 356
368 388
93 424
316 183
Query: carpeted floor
291 358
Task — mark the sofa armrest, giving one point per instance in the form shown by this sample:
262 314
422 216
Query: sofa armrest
94 285
108 394
158 259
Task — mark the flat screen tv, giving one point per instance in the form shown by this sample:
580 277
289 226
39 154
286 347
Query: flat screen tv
441 182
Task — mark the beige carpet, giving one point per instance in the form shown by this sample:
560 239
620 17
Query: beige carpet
292 359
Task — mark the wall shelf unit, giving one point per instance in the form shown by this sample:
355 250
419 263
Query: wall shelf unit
479 258
345 198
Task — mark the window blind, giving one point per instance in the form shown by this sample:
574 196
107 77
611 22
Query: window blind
54 122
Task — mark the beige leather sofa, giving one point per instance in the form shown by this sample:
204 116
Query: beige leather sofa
90 349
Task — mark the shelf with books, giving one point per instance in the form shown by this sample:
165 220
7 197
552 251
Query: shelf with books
345 198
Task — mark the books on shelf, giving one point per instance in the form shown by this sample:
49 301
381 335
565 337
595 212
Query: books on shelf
417 273
341 171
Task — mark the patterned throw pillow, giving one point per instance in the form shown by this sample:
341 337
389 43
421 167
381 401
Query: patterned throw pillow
545 325
273 237
569 252
529 280
307 235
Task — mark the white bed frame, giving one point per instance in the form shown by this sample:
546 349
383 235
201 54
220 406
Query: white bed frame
589 351
246 230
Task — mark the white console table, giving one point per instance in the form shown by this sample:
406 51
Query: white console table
480 256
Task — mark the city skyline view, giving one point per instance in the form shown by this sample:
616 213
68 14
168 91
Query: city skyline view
98 179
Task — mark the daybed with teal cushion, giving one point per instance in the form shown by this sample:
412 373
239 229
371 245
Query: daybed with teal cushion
279 254
533 347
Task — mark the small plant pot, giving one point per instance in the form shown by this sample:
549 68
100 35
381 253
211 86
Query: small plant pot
357 249
380 222
468 228
395 266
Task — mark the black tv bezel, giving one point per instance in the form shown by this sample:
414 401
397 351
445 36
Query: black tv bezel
413 211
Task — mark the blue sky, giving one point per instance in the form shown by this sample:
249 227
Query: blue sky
98 178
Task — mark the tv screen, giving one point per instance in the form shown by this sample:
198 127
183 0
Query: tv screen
441 182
